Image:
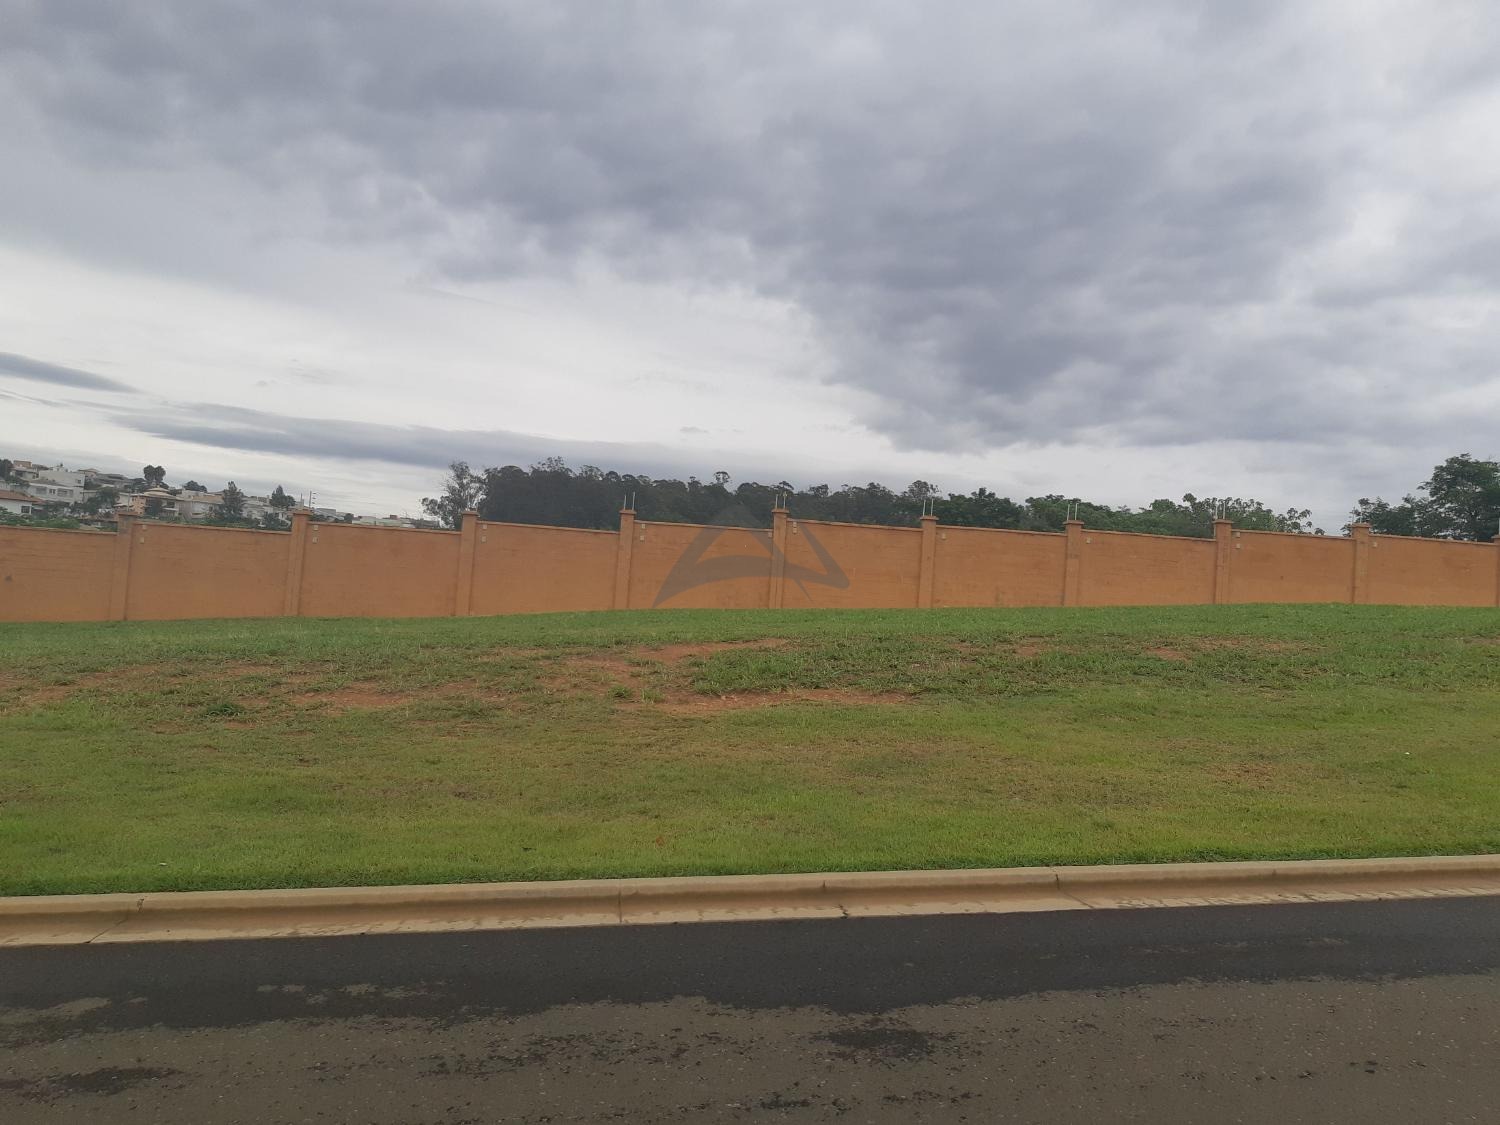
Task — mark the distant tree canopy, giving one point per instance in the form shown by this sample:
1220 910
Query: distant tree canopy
550 492
461 491
231 505
1460 500
104 499
193 486
153 475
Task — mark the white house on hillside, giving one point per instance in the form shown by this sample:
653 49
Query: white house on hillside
16 503
57 485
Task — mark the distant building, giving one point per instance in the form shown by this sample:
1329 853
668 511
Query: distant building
164 503
94 479
41 487
16 503
391 521
258 508
197 505
56 485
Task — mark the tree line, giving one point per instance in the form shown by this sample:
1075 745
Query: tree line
550 492
1460 500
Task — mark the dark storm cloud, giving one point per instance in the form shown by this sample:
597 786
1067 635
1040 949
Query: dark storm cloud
238 428
24 367
1169 222
217 426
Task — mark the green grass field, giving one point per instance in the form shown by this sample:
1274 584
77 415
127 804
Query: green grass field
148 756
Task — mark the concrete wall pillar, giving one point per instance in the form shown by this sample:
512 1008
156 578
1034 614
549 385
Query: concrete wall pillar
1359 586
468 543
119 584
296 558
1497 570
929 562
1073 567
624 548
1223 559
777 595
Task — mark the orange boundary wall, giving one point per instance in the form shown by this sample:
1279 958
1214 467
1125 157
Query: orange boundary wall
149 571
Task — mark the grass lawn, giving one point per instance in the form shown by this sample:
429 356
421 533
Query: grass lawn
151 756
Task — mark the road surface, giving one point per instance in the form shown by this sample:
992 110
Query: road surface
1360 1012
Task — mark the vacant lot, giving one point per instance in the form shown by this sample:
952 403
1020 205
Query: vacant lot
283 753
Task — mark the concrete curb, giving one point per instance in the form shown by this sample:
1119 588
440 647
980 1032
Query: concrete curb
202 915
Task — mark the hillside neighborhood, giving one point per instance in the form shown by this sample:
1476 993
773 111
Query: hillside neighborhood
55 495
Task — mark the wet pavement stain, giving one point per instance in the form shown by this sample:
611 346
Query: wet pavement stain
106 1081
876 1043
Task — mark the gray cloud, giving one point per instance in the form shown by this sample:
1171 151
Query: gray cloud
24 367
1008 223
330 439
217 426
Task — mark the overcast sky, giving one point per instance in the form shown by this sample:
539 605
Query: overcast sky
1113 251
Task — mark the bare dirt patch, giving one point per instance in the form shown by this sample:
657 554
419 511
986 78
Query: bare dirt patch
282 674
1168 654
1256 644
1028 648
1200 646
582 672
1252 773
655 678
639 664
17 693
356 698
677 653
693 703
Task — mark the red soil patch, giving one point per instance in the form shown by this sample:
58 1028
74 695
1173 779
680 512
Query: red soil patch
357 698
691 703
1167 654
1027 649
630 666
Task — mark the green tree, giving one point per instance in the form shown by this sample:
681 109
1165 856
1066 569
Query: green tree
550 492
153 507
154 476
462 490
103 498
1409 517
980 508
280 500
7 469
231 505
193 486
1460 500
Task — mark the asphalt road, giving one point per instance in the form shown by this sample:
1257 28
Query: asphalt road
1367 1012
